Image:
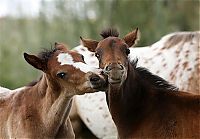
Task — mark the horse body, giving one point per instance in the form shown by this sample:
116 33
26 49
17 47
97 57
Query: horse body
41 109
142 104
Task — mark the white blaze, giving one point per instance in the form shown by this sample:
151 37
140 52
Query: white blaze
66 59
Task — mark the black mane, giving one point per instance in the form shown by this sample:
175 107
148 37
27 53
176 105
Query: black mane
46 54
109 32
156 81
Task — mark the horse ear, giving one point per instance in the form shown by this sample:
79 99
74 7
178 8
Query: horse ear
90 44
60 46
132 38
35 62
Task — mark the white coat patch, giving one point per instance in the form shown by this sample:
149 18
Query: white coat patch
66 59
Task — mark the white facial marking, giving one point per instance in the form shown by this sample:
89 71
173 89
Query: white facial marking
66 59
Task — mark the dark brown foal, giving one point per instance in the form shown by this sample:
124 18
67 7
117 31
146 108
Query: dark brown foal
142 105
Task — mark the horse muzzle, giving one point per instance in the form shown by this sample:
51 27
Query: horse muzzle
98 82
116 73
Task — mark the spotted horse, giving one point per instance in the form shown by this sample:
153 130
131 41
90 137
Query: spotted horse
175 57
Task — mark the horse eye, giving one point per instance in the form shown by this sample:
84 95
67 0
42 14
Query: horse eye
127 51
61 75
97 55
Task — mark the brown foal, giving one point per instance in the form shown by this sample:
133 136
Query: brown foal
41 110
142 104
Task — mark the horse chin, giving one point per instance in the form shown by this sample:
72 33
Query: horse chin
117 81
113 82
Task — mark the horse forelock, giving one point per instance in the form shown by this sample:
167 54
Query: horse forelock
109 32
46 54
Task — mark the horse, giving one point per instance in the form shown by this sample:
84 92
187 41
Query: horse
41 109
141 103
175 57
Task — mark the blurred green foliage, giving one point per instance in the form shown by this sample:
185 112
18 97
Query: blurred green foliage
65 21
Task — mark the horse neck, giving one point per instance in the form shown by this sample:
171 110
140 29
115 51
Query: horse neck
46 90
55 103
127 103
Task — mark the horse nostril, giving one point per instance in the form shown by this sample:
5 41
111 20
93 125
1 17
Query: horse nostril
107 68
94 78
121 67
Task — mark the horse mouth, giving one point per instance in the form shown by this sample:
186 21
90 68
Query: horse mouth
114 81
115 76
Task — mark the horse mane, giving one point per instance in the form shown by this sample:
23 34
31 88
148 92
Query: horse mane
109 32
156 81
47 53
